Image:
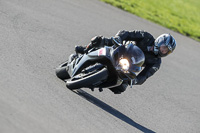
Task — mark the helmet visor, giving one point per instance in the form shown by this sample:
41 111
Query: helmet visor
164 50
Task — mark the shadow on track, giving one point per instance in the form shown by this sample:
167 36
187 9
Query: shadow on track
112 111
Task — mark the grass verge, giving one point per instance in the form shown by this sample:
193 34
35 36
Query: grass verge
182 16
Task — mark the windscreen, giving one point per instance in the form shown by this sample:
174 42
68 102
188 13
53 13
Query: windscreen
135 55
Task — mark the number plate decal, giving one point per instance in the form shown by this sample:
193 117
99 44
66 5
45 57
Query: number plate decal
102 51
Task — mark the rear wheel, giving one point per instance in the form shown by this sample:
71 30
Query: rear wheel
62 71
90 79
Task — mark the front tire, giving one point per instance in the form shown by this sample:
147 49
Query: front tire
62 71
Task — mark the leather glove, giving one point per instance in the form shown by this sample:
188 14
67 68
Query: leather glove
96 41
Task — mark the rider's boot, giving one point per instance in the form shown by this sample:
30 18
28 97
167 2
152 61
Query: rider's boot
119 89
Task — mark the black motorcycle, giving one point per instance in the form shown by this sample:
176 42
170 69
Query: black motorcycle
105 67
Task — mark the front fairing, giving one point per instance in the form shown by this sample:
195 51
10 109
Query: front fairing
96 56
118 53
135 57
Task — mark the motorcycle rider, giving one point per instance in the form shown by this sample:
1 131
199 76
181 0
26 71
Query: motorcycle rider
154 50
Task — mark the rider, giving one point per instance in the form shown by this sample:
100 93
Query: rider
153 50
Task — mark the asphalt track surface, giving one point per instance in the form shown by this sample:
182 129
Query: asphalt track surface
36 36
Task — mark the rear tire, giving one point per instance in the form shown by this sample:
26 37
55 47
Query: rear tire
62 71
88 81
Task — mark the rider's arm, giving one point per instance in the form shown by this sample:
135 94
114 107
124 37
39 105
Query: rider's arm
147 72
135 35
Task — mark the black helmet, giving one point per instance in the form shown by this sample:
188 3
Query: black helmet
164 40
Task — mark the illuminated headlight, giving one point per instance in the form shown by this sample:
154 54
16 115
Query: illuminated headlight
124 64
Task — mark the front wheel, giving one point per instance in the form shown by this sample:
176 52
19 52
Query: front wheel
88 80
62 71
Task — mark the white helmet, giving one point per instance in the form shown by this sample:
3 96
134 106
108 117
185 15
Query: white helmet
168 41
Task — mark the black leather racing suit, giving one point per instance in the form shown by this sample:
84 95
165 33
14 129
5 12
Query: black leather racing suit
144 41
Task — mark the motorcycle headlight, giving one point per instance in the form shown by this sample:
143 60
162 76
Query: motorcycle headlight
124 64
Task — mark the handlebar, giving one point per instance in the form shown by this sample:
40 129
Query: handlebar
115 42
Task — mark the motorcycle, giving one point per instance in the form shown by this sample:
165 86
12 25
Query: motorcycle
105 67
